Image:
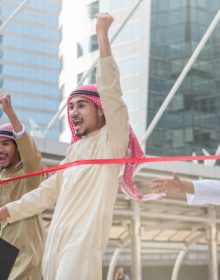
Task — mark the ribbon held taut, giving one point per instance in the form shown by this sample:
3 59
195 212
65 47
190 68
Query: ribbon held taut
113 161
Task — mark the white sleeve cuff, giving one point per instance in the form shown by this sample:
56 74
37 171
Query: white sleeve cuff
19 133
206 192
190 198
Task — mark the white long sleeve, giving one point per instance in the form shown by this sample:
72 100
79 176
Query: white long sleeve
206 192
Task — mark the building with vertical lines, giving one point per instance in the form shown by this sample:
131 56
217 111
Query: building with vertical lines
29 62
151 50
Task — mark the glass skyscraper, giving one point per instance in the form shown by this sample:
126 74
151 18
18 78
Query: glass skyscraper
192 120
29 66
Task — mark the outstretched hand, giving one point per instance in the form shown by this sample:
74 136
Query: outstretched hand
168 186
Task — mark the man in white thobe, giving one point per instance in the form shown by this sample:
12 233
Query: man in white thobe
84 195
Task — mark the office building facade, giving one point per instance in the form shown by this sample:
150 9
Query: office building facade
191 121
30 63
157 42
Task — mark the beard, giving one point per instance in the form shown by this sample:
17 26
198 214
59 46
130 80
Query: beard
82 133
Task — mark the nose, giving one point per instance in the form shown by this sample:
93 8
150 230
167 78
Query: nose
74 111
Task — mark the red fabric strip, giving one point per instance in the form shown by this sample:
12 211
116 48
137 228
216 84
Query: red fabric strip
109 161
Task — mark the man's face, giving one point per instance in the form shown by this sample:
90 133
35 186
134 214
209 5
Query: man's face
85 115
9 155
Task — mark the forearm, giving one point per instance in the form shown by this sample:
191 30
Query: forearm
104 44
15 122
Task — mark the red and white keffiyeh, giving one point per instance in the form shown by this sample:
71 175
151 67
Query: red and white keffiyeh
6 131
128 170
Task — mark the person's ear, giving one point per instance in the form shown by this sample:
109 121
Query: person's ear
100 112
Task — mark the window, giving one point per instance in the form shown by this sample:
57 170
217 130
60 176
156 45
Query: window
92 76
79 77
89 44
93 9
79 50
201 137
93 43
90 79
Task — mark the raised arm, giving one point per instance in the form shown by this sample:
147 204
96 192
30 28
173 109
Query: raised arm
103 24
109 89
29 154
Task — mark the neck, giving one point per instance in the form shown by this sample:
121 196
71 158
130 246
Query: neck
11 168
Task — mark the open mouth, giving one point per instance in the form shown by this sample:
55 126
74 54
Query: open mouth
77 124
3 159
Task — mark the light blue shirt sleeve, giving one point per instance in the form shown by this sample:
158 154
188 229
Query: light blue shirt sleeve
206 192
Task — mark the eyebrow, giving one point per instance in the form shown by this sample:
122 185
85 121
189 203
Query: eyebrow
5 140
79 101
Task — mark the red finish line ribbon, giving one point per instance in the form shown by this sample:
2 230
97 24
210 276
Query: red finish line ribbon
109 161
